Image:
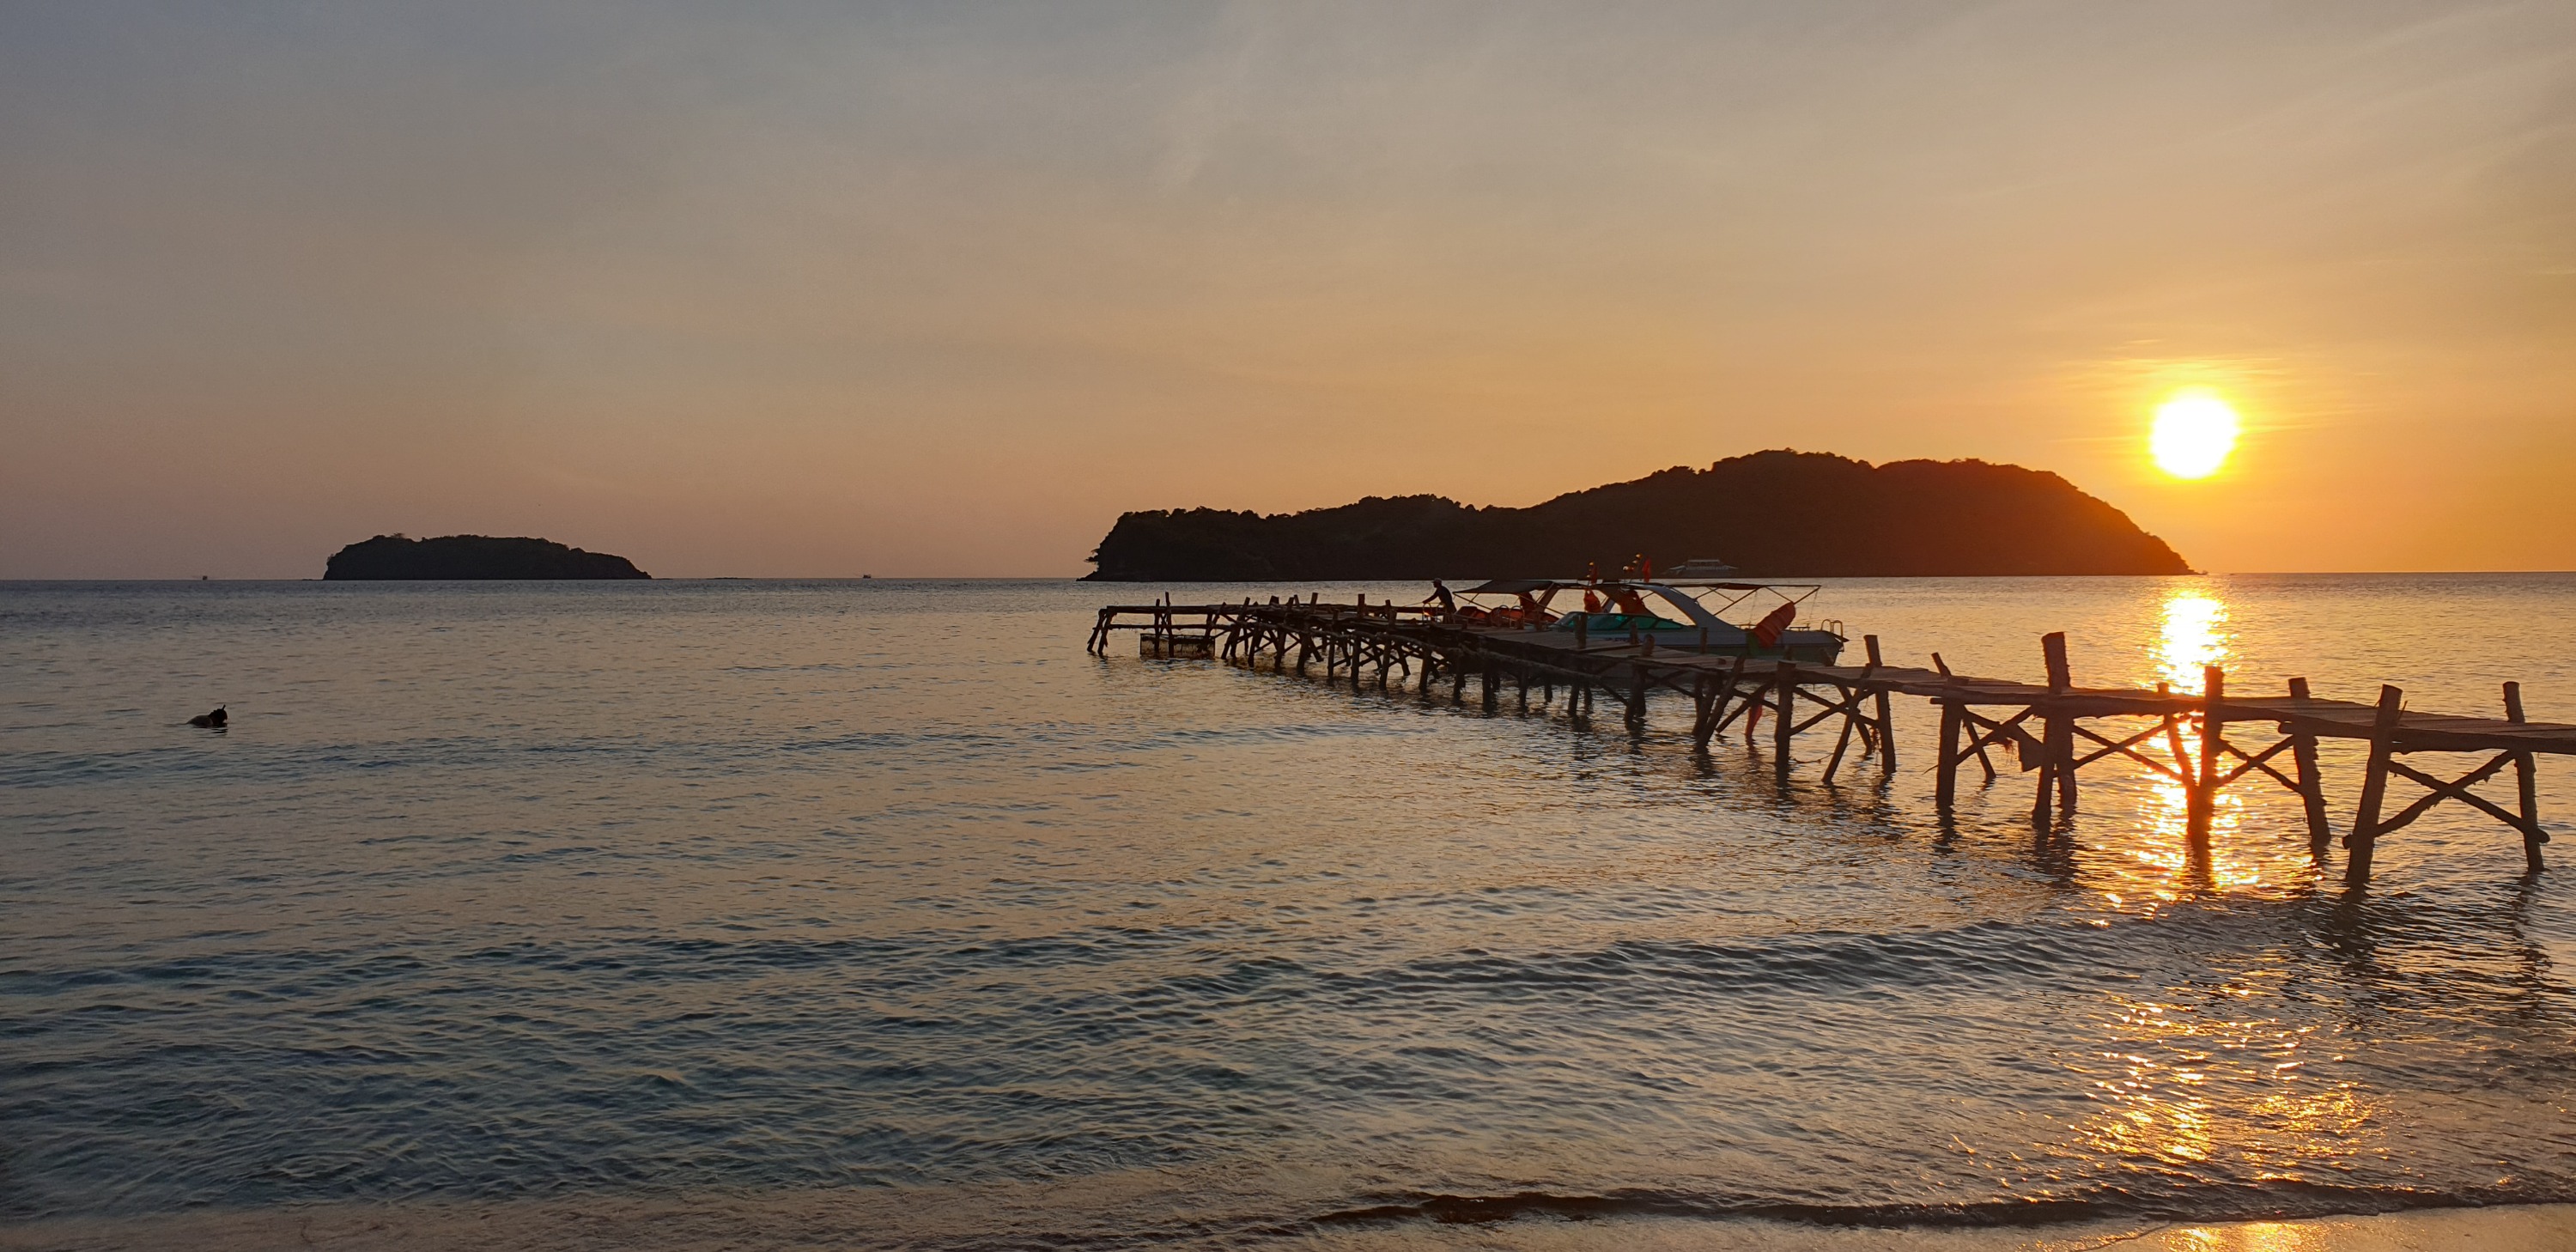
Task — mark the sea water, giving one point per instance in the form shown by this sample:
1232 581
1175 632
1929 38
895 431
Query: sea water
642 892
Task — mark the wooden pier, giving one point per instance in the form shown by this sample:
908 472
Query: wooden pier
2203 741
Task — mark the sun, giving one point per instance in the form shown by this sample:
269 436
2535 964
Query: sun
2194 433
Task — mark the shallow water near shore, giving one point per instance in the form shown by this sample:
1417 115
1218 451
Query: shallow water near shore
612 893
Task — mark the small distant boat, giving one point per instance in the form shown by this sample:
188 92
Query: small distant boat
1698 568
1685 610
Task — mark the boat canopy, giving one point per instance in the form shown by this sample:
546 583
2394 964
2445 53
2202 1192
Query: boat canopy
1696 602
1515 586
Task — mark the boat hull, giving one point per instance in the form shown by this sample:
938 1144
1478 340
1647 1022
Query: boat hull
1806 647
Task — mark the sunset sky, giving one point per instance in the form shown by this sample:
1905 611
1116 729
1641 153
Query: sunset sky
940 289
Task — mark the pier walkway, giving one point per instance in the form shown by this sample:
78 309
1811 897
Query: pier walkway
2052 729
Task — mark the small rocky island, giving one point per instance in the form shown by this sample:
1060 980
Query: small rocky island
471 557
1770 514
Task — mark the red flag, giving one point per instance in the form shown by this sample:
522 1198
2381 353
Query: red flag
1769 628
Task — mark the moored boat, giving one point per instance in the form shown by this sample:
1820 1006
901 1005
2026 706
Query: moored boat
1682 613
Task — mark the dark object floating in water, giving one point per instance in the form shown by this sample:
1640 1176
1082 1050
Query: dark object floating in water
1774 514
471 557
211 721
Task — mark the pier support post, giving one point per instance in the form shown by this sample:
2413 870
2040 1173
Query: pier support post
2057 743
2374 787
2201 792
2526 785
1637 698
1886 718
2312 791
1785 681
1726 695
1945 777
1492 684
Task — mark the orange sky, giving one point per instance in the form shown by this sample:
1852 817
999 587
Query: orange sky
940 290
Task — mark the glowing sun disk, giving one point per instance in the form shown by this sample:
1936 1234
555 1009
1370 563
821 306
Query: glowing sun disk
2194 433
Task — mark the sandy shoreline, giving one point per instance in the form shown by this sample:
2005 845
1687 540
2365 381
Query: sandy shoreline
866 1219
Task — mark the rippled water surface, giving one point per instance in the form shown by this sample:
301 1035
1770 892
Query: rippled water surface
523 891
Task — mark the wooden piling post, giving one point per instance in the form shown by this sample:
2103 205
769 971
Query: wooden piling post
2057 743
2200 792
2312 791
1785 680
1492 684
2526 785
1886 714
1637 698
1945 776
1713 714
2374 787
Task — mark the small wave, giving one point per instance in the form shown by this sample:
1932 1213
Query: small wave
2284 1199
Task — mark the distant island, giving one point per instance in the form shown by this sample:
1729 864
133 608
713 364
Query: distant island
471 557
1769 514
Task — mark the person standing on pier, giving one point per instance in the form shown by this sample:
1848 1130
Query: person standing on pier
1448 602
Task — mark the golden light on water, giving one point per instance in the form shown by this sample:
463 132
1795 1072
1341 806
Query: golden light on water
2194 434
2194 637
2155 865
2194 1080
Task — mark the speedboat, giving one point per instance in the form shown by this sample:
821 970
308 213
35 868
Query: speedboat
1682 614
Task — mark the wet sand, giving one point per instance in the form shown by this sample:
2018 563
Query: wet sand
876 1218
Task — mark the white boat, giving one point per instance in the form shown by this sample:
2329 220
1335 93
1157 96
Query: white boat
1682 612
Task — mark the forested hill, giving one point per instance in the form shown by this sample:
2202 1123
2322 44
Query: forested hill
471 557
1770 514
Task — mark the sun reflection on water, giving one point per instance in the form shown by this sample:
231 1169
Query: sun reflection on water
2194 637
2194 1086
2152 863
2159 866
